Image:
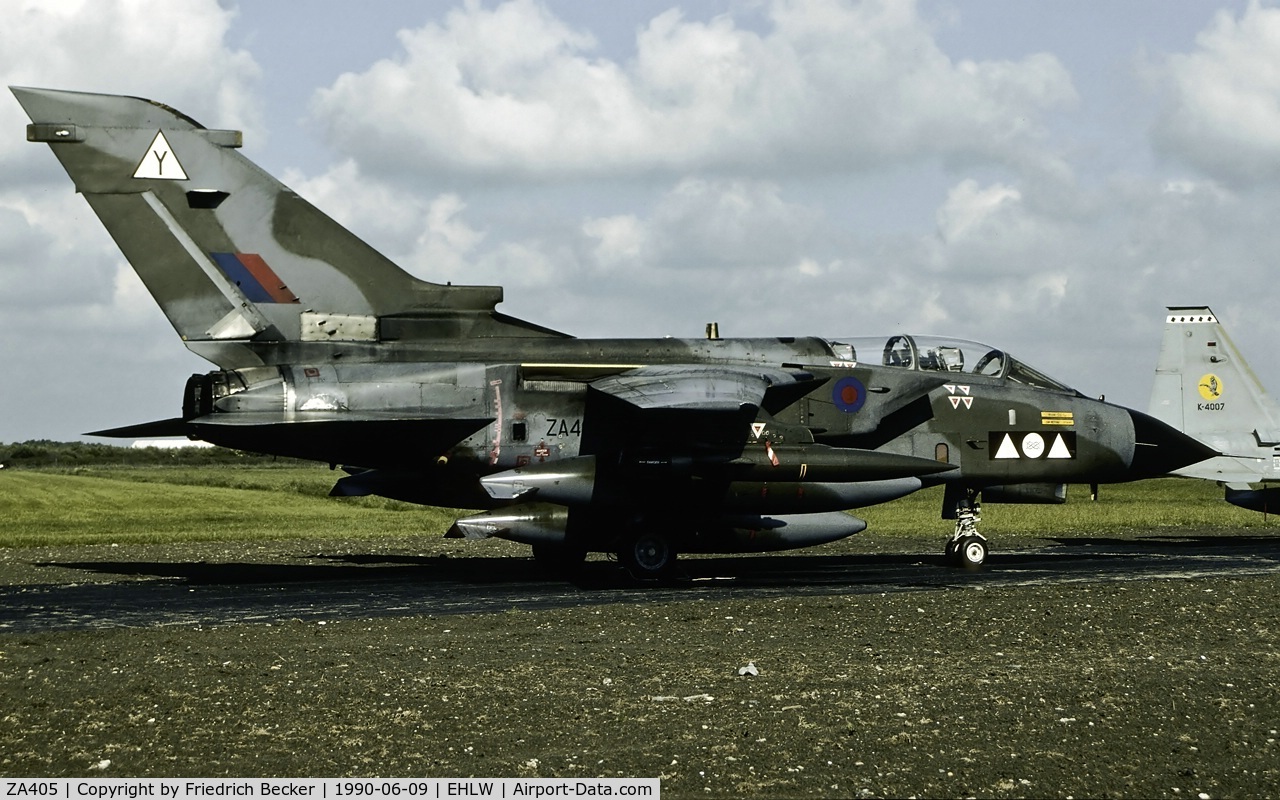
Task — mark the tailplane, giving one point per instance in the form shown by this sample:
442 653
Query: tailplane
238 261
1205 388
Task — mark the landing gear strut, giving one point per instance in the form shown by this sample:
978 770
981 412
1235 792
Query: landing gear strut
967 548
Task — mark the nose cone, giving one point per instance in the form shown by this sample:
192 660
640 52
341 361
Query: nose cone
1160 449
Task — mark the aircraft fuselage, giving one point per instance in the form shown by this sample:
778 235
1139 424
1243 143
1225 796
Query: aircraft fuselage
532 407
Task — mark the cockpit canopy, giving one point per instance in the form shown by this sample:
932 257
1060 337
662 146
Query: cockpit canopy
935 354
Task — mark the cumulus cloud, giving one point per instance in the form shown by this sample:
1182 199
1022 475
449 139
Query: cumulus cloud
1222 111
620 240
427 236
968 207
513 91
740 224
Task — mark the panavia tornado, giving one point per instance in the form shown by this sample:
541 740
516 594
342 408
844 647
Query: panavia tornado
646 448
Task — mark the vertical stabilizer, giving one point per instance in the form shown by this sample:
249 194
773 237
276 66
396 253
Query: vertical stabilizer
1204 387
237 260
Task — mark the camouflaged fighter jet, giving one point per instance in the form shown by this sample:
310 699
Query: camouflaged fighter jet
645 448
1205 388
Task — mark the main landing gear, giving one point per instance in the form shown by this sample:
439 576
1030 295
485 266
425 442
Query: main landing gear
647 555
967 548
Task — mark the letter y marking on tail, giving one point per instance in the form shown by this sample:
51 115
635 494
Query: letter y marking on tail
156 164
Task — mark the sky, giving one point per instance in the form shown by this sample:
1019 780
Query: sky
1042 177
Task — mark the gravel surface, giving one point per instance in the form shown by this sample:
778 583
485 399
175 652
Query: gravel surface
1162 687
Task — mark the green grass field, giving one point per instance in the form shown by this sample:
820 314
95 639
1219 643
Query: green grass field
96 505
160 504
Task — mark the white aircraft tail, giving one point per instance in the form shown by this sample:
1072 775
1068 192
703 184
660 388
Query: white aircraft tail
1205 388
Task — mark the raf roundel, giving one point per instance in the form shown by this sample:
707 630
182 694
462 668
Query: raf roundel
849 394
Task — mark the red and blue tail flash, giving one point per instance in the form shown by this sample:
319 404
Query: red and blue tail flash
258 281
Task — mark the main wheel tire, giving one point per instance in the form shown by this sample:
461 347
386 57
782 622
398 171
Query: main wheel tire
648 555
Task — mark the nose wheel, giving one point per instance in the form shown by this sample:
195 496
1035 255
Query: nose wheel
968 551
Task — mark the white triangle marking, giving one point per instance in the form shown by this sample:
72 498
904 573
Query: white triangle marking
159 162
950 387
1007 448
964 389
968 402
757 428
1059 448
955 401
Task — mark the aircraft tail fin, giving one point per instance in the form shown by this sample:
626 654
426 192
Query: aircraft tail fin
236 259
1205 388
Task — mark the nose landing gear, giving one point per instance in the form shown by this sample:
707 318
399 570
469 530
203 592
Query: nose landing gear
967 548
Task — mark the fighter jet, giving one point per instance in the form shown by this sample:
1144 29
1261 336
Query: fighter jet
1205 388
645 448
